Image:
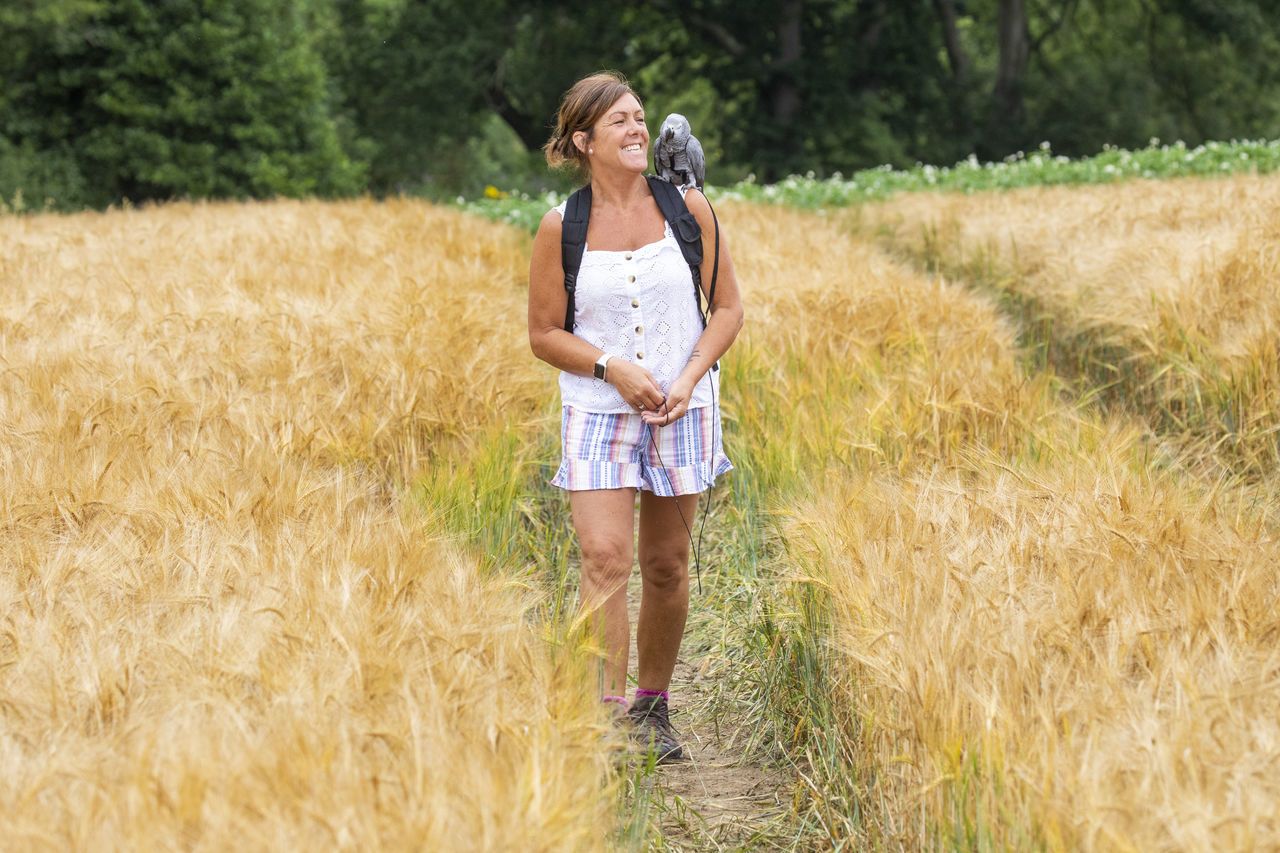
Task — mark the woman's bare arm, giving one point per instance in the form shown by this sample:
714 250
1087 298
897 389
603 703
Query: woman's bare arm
726 313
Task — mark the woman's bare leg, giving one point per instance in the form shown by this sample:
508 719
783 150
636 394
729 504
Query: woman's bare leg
605 522
664 570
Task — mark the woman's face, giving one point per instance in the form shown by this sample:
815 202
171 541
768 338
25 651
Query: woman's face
621 140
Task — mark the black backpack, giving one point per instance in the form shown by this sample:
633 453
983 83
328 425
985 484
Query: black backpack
573 240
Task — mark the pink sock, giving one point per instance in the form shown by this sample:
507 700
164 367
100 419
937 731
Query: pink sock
641 693
620 700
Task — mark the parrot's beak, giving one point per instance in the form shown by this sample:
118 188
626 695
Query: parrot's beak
668 132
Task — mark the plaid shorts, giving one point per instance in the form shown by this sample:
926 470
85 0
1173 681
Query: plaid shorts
614 450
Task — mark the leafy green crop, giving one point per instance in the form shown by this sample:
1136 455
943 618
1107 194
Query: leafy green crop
1038 168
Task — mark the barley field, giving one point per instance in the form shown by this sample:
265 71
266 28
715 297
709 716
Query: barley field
1043 630
1160 293
225 619
281 562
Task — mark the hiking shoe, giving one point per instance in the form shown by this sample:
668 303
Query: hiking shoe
651 728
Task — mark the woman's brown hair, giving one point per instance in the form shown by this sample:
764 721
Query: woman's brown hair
580 108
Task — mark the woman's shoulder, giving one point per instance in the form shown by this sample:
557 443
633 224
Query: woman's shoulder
697 203
691 194
550 227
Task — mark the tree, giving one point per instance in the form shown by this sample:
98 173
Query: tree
182 98
1122 73
103 99
413 78
1014 40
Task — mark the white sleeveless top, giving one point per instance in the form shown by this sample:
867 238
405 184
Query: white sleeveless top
637 306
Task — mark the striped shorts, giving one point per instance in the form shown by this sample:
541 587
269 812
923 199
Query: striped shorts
613 450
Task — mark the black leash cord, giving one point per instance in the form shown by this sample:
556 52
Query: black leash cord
696 549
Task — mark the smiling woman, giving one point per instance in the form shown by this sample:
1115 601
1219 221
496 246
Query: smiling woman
640 413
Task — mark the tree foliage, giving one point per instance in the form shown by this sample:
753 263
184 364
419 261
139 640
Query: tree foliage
198 98
150 99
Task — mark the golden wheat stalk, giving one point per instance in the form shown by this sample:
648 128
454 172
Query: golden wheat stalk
221 618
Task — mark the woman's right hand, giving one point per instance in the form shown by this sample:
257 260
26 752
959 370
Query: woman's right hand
636 385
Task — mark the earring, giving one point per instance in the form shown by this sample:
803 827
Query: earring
591 150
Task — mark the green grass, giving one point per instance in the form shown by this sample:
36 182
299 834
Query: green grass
1040 167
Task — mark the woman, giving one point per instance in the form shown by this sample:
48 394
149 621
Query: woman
651 425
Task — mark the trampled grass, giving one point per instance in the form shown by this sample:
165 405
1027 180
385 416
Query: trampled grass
225 620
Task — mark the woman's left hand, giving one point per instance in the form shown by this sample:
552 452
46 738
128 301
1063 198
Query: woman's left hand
673 408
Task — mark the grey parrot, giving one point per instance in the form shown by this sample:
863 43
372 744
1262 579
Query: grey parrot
677 154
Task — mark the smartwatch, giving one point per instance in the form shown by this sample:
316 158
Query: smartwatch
600 365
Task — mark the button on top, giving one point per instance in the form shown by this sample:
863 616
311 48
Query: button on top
628 256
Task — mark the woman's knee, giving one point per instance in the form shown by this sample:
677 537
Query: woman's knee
665 572
605 563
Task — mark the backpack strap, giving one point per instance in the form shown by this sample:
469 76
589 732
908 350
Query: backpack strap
715 265
573 242
715 273
688 233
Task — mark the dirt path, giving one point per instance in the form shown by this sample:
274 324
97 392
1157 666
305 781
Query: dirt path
717 798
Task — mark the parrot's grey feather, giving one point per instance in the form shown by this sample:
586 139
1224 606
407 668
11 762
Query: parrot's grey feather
697 163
